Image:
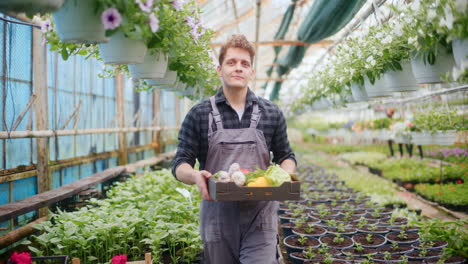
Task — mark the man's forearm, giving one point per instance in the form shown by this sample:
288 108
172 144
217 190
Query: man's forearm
185 174
288 165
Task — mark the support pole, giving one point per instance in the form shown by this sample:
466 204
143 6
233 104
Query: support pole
120 103
157 120
42 114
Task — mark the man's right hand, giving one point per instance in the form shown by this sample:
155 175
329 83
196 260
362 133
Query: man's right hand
201 178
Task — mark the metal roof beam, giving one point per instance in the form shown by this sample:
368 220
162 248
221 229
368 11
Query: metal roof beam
322 43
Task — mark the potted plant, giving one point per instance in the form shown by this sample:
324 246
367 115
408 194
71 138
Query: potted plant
402 237
297 243
136 31
451 21
359 250
369 239
442 125
431 54
78 21
336 241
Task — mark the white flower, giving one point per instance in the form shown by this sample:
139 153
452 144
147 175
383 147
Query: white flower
431 14
379 35
448 17
388 39
413 41
415 5
398 29
461 5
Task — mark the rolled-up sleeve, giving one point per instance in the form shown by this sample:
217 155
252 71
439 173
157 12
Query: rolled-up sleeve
189 145
280 143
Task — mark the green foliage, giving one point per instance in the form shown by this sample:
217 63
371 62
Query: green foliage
142 214
452 194
455 233
382 123
435 120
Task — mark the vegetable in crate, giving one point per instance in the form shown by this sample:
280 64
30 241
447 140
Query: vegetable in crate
276 175
259 182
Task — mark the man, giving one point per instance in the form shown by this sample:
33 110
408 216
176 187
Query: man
234 126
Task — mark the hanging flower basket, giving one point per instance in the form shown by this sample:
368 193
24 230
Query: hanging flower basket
122 50
30 6
427 73
76 22
401 81
359 92
422 138
460 50
445 137
154 66
170 78
378 89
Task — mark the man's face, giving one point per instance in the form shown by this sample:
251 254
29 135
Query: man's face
236 70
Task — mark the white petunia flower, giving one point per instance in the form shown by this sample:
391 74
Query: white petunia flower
431 14
415 5
388 39
448 17
398 29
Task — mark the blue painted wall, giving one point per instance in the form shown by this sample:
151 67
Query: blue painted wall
69 82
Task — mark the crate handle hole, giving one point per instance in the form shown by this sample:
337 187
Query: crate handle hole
268 193
249 193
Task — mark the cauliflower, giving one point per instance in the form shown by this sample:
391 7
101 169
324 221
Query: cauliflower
233 168
224 176
238 177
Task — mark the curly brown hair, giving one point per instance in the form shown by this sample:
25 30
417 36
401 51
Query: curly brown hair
237 41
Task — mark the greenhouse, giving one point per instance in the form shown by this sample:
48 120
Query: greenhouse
233 131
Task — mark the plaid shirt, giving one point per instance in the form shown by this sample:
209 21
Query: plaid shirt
193 135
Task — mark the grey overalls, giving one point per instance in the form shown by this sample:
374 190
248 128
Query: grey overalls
238 232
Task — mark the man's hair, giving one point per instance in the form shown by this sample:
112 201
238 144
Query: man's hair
237 41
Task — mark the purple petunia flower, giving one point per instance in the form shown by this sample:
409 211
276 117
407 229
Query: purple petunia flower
194 32
177 4
190 21
154 23
45 26
146 5
111 18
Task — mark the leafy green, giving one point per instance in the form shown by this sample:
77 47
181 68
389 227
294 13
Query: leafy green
276 175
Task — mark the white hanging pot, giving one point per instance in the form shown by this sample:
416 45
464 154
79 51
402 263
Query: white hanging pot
427 73
171 87
76 22
122 50
30 6
401 81
170 78
359 92
422 138
445 137
154 66
460 50
378 89
321 103
189 91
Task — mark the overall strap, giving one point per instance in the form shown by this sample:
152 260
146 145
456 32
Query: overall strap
214 114
255 116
